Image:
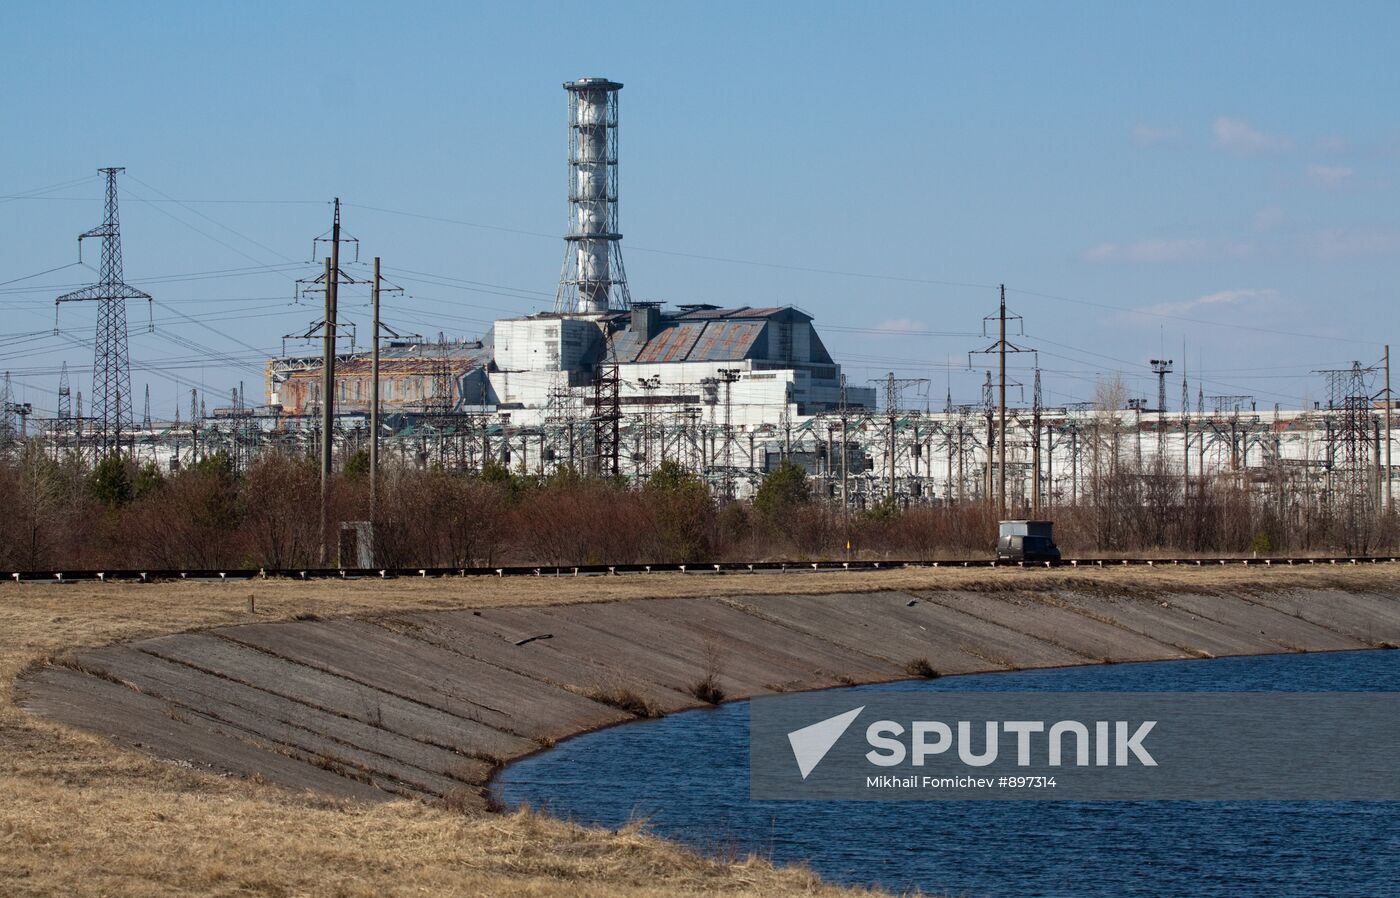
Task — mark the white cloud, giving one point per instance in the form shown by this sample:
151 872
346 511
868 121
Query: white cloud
1155 250
1239 136
1328 175
1343 243
1145 135
1219 298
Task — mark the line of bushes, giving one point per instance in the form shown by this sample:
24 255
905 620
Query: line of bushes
120 513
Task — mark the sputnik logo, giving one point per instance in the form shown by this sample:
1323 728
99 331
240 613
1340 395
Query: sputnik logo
811 743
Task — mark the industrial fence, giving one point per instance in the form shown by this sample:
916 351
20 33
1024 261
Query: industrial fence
699 569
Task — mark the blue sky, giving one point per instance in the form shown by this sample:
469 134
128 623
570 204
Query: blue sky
1138 175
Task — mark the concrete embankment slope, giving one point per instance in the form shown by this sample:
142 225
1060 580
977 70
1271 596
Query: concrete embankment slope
427 704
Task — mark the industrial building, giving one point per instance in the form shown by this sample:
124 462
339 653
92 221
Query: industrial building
414 376
607 384
596 354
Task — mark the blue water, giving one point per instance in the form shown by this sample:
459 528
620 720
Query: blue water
687 774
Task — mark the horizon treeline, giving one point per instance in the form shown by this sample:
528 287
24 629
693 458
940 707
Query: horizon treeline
119 513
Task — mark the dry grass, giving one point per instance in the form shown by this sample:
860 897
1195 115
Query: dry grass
919 667
624 699
82 818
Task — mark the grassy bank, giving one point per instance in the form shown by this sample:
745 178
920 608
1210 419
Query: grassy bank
83 818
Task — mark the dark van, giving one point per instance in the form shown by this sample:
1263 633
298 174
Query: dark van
1027 541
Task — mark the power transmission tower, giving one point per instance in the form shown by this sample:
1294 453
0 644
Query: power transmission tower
443 398
146 412
894 392
65 396
728 376
63 414
1161 368
1185 435
236 400
111 370
438 407
13 410
607 412
1350 437
7 414
649 386
194 425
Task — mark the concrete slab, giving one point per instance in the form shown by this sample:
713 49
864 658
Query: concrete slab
337 695
676 644
280 721
1239 613
453 682
1175 626
1371 618
807 661
610 660
426 703
1037 614
900 628
538 657
141 722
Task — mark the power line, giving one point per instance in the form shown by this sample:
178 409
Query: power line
39 191
212 221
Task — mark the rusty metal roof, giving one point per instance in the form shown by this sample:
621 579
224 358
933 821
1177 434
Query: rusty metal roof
725 341
672 344
626 345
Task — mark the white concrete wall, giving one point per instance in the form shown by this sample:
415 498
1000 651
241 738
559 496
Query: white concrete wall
544 344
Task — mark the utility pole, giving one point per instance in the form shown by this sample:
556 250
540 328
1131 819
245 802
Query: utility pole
1035 446
1001 347
1388 506
1185 437
374 397
330 282
327 402
988 490
845 457
1001 408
